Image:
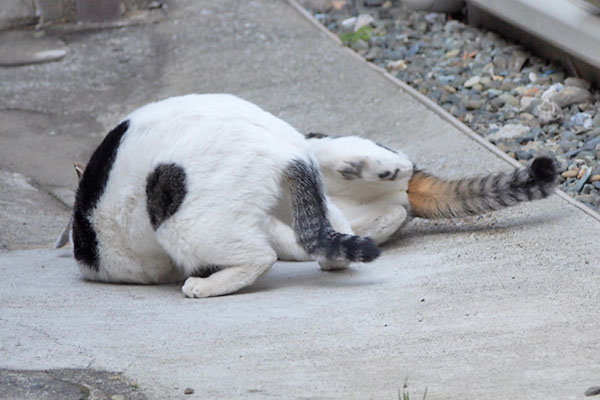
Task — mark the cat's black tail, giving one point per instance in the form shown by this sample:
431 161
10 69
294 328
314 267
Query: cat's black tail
310 223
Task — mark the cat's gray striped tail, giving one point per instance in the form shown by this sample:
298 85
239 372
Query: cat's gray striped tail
431 197
310 223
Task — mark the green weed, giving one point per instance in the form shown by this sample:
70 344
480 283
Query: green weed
363 33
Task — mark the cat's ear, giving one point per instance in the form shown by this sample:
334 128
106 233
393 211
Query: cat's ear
79 168
63 238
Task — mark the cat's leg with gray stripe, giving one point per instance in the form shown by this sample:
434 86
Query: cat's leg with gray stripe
340 224
284 241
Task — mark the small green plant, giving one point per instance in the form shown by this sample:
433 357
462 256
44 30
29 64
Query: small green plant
363 33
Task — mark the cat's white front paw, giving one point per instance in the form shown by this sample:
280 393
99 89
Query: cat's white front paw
196 287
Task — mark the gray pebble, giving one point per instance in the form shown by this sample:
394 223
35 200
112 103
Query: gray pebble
510 100
509 131
582 119
446 79
549 112
592 143
497 102
374 52
398 54
523 155
587 188
571 95
518 59
567 146
359 45
492 93
378 41
585 198
581 181
472 103
413 50
581 83
533 106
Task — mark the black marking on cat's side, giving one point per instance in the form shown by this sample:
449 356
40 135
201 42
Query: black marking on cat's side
91 187
165 191
315 135
309 214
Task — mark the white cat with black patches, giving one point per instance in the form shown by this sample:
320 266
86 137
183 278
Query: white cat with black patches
211 189
187 188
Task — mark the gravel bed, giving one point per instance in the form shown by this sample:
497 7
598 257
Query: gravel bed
523 104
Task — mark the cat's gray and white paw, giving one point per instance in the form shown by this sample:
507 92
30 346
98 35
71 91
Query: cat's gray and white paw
351 169
374 169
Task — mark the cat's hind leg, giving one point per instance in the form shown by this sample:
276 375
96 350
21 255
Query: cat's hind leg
228 279
235 257
283 240
378 220
339 223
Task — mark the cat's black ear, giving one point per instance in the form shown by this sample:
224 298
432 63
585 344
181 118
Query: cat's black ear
79 168
314 135
63 238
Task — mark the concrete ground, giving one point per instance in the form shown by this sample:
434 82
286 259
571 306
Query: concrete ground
494 307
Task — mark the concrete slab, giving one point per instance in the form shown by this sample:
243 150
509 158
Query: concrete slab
30 217
499 306
14 13
22 48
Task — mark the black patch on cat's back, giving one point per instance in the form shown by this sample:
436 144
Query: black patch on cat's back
91 187
165 191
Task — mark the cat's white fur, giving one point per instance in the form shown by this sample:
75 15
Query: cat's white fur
230 214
